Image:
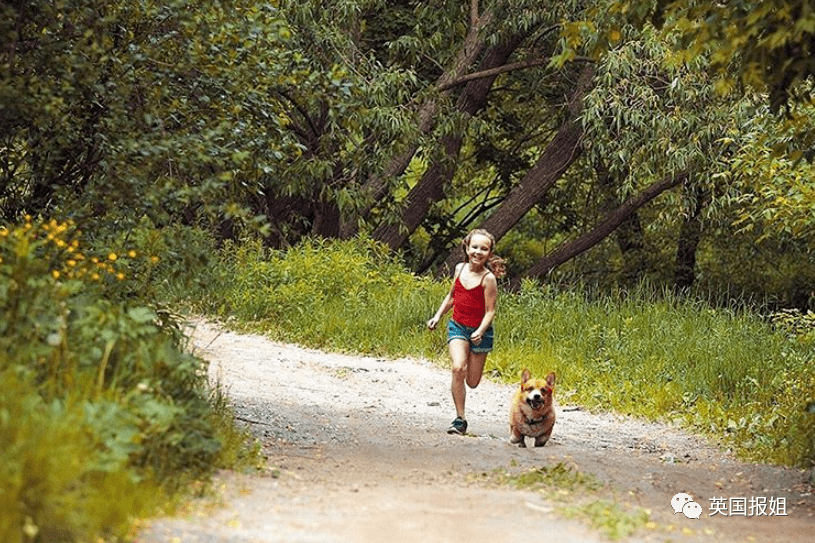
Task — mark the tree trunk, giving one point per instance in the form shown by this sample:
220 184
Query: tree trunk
326 219
559 154
376 188
689 236
567 251
629 236
430 188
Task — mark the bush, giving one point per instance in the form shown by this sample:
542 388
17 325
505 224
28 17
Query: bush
103 407
63 476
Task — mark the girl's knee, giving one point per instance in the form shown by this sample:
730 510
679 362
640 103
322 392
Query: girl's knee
459 372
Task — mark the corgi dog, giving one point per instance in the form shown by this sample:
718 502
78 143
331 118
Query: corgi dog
532 413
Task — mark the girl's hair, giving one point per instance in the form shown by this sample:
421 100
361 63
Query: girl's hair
495 263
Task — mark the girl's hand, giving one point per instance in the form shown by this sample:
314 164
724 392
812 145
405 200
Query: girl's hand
431 324
476 337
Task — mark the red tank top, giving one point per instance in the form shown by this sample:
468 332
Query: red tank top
468 303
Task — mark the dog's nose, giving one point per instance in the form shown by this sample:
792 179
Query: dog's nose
536 396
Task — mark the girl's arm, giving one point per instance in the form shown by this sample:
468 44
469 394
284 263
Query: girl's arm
446 304
490 297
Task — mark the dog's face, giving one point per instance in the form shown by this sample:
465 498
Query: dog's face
532 413
537 393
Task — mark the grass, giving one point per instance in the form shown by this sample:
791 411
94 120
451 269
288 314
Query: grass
580 496
610 517
730 372
560 477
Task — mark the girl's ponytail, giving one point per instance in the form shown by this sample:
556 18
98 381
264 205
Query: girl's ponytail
497 266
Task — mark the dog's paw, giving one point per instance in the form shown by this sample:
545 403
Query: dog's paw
541 441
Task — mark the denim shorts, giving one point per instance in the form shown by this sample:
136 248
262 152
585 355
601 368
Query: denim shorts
459 331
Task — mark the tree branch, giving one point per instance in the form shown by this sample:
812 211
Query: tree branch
492 72
522 65
573 248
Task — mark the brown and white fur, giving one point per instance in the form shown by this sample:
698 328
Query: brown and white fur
532 413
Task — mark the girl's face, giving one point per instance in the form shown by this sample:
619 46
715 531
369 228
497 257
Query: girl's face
479 249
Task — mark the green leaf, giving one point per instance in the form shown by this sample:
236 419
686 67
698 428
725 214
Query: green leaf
141 315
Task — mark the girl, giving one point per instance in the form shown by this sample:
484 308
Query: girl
469 333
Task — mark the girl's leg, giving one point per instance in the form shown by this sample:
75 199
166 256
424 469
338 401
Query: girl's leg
475 368
459 354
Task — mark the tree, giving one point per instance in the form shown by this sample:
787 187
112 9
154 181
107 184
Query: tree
403 120
611 222
644 125
561 151
767 46
499 31
774 195
113 111
431 185
754 47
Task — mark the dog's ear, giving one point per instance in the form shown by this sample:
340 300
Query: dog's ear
526 375
550 379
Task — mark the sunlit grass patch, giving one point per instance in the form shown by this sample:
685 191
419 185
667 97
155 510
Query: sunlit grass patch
561 478
579 495
614 519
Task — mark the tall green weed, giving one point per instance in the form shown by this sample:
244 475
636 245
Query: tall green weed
61 480
727 372
343 295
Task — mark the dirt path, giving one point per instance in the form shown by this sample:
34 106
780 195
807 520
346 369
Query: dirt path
357 451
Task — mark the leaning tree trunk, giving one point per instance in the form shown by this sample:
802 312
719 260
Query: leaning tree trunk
376 188
430 188
567 251
559 154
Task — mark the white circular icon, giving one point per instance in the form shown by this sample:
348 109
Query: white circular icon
692 510
679 501
683 503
